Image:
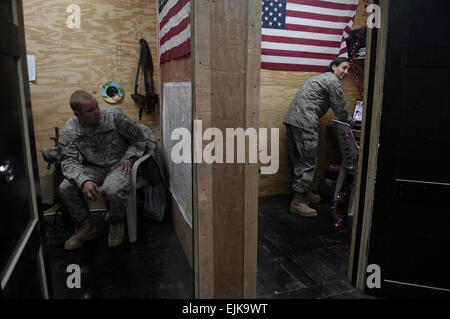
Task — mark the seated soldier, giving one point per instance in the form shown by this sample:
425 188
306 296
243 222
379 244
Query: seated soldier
109 142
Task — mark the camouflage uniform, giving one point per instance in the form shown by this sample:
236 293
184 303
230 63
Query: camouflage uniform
303 121
115 139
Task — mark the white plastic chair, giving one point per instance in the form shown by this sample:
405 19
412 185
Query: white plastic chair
349 150
137 181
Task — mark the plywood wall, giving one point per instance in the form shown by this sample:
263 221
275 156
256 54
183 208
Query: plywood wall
104 48
278 88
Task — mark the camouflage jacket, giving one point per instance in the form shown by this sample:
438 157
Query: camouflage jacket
116 138
313 100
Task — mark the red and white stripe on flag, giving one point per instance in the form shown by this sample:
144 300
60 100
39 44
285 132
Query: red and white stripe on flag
304 35
174 29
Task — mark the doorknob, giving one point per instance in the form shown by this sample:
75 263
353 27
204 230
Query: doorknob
6 172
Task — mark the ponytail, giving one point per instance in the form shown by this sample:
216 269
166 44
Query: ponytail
336 62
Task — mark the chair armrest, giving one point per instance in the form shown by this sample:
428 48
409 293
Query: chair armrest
136 166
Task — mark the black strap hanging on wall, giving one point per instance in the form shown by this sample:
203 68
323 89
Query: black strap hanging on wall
150 100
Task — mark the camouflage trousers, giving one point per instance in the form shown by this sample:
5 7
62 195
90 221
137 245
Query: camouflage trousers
115 186
302 149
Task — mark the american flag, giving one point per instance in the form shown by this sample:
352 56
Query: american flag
174 29
304 35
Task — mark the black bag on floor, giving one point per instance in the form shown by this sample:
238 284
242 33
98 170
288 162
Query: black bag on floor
156 194
155 201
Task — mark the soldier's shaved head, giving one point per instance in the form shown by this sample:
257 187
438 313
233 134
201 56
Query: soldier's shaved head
79 97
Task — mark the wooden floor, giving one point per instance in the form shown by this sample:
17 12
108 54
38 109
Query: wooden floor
297 258
153 267
300 257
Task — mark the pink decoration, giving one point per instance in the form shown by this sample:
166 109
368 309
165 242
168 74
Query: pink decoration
352 63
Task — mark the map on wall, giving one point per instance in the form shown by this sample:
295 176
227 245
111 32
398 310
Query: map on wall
177 113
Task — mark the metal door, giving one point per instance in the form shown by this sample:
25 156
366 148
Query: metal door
22 272
409 238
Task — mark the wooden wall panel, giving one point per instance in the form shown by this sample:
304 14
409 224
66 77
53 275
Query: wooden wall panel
105 48
228 59
203 172
251 170
178 70
278 88
226 89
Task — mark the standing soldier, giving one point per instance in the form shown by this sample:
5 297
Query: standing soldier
302 121
109 143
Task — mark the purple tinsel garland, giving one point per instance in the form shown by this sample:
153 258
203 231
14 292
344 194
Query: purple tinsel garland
341 196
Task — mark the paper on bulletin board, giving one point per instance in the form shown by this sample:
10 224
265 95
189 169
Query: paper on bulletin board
177 113
31 62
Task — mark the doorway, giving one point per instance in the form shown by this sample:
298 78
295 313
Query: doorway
84 46
300 257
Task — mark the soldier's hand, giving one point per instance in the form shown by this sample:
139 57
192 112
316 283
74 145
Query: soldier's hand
90 190
124 166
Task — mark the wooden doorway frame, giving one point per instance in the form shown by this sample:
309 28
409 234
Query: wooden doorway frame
370 131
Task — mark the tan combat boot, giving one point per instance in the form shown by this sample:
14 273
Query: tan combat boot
115 236
312 198
86 231
300 207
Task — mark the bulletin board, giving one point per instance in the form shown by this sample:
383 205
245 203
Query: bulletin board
177 113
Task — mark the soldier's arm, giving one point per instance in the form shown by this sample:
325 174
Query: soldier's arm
131 131
337 101
71 166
